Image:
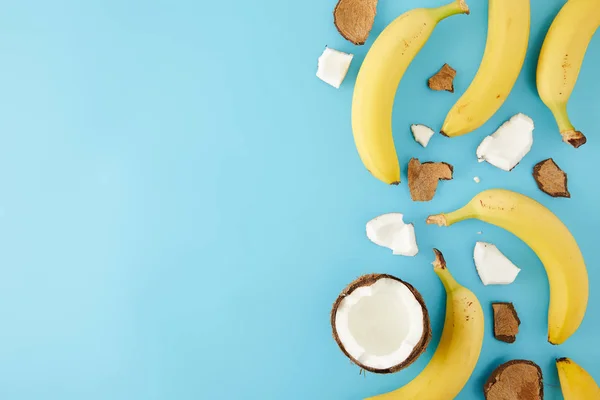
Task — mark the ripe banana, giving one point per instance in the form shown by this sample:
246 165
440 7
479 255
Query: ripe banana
378 80
457 354
561 58
575 382
549 238
508 36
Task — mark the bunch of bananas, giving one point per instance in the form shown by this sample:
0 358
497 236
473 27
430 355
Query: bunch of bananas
558 68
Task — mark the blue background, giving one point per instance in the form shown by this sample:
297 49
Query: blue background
181 200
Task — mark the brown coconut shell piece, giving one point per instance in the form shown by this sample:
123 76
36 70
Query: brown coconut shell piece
368 280
423 178
515 380
551 179
506 322
443 80
354 19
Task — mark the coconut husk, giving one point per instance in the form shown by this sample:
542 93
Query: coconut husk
515 380
506 322
368 280
551 179
354 19
443 79
423 178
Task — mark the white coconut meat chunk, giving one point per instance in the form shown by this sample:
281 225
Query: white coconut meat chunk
381 325
333 66
389 230
492 266
422 134
506 147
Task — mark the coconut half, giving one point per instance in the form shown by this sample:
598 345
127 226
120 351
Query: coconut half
381 323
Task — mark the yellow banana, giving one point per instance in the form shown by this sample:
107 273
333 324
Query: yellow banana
549 238
459 348
561 58
575 382
508 36
378 80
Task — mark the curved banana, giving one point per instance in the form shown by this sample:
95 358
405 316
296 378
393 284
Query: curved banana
549 238
575 382
378 80
561 58
459 348
505 49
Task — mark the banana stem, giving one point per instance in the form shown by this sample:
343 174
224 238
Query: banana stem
439 267
452 218
567 130
456 7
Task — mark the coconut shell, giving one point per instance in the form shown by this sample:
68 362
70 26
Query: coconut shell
506 322
354 19
551 179
515 380
368 280
423 178
443 79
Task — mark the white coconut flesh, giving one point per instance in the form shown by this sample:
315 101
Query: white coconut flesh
380 325
493 267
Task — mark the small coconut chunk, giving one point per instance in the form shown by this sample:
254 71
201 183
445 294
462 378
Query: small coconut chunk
443 80
492 266
381 323
333 66
509 144
551 179
389 230
506 322
423 178
422 134
476 179
515 380
354 19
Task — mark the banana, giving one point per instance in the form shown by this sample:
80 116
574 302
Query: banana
575 382
561 58
457 354
505 49
549 238
378 80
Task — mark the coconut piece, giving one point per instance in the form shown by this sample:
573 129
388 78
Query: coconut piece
551 179
515 380
333 66
492 266
381 323
443 80
506 322
422 134
389 230
476 179
354 19
506 147
423 178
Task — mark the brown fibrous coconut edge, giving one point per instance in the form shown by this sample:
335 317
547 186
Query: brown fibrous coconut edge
492 380
554 177
354 19
512 336
443 79
423 178
368 280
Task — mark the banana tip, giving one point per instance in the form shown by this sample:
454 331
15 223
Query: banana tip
574 138
563 360
439 262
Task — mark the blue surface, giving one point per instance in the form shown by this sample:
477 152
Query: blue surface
181 199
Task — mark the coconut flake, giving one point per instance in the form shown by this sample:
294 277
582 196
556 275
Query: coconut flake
422 134
476 179
380 325
509 144
333 66
492 266
389 230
